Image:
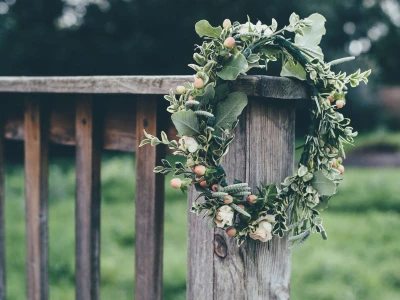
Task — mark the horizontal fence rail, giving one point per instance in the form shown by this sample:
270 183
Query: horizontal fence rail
110 112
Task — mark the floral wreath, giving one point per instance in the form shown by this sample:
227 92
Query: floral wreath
205 114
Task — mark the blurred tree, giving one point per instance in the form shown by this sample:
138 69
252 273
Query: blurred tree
131 37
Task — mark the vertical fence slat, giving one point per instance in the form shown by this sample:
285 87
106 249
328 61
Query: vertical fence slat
88 198
2 207
149 203
36 194
263 150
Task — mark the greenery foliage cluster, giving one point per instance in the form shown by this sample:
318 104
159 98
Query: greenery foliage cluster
205 114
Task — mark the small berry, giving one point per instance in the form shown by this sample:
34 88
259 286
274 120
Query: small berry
252 199
180 89
200 170
214 187
228 199
334 162
229 42
176 183
227 23
231 231
341 169
331 99
203 183
340 103
198 83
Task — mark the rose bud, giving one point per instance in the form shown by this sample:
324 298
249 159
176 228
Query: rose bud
180 89
227 23
214 187
176 183
241 206
228 199
200 170
252 199
340 103
191 98
341 169
331 99
198 83
203 184
229 42
231 231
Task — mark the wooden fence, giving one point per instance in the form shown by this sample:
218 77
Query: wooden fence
96 113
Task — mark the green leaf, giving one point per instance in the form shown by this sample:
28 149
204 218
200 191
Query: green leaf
323 185
233 67
323 203
312 34
228 110
209 94
302 171
186 122
221 91
203 28
291 69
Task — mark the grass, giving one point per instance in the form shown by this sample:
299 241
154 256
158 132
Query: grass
359 261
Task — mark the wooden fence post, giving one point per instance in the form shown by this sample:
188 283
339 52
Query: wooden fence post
149 200
217 269
36 194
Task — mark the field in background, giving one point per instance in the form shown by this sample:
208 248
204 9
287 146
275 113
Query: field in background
360 260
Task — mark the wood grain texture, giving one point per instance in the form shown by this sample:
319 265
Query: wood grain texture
263 150
88 198
149 202
264 86
2 214
36 194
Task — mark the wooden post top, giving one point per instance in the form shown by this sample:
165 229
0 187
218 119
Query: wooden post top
259 85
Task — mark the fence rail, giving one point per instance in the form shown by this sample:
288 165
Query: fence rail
110 112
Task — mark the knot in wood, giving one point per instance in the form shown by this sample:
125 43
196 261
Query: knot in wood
220 247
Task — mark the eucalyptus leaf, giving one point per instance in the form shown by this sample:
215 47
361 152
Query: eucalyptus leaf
302 171
228 110
292 69
221 91
209 94
312 34
203 28
233 67
186 122
323 185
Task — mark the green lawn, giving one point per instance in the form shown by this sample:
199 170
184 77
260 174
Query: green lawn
360 260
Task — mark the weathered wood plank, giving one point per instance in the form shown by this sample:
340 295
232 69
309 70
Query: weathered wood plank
263 150
149 202
264 86
36 194
2 213
88 198
119 123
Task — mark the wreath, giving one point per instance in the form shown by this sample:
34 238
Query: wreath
205 115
